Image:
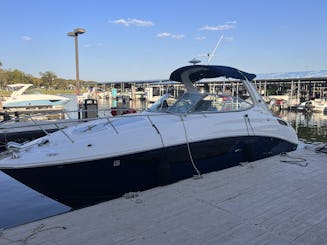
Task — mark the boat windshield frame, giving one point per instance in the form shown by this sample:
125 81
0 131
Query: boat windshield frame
209 103
161 105
185 103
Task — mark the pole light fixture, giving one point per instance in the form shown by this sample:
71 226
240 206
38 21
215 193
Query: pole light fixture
75 34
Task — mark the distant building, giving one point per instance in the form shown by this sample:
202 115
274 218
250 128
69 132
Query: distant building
71 87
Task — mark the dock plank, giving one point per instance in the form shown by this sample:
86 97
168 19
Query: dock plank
263 202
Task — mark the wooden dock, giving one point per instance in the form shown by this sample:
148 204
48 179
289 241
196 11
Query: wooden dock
263 202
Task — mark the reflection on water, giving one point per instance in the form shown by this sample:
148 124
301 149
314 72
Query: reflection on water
310 127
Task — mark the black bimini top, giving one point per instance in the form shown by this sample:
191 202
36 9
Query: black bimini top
198 72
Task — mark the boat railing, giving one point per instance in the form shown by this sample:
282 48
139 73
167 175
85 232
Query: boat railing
63 117
53 121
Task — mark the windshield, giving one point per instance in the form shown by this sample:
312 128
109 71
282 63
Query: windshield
162 104
32 91
190 103
185 103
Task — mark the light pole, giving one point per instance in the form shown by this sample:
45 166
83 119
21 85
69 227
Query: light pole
75 34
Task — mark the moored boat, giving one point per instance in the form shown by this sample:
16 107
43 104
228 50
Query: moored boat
201 132
319 105
305 106
24 97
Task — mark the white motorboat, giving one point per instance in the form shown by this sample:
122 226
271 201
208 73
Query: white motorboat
319 105
305 106
105 158
25 97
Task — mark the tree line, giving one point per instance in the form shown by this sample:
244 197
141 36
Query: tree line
47 80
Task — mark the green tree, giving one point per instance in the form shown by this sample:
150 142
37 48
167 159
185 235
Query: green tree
48 79
36 81
17 76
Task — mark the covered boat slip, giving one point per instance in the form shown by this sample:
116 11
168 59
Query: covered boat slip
264 202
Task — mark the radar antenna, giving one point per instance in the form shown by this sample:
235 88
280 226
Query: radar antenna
194 61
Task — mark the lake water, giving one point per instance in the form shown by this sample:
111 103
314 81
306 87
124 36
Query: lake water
20 204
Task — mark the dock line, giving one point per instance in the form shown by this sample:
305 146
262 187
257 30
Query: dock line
34 232
198 175
302 162
321 149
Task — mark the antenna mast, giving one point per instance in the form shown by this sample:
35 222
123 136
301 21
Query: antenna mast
214 50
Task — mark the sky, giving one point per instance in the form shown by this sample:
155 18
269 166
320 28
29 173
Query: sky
132 40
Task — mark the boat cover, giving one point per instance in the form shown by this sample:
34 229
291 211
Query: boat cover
198 72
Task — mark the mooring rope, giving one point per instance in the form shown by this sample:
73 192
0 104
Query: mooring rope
302 162
189 149
321 149
35 231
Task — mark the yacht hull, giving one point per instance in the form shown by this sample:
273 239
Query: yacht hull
34 103
86 183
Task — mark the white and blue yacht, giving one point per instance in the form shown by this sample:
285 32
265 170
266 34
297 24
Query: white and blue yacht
201 132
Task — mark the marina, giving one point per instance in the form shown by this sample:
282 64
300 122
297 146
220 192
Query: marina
290 92
310 127
163 122
30 205
120 98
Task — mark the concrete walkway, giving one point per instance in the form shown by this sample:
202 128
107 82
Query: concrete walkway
264 202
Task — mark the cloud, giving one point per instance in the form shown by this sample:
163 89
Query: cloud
200 38
169 35
26 38
89 45
228 39
228 25
133 22
164 34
